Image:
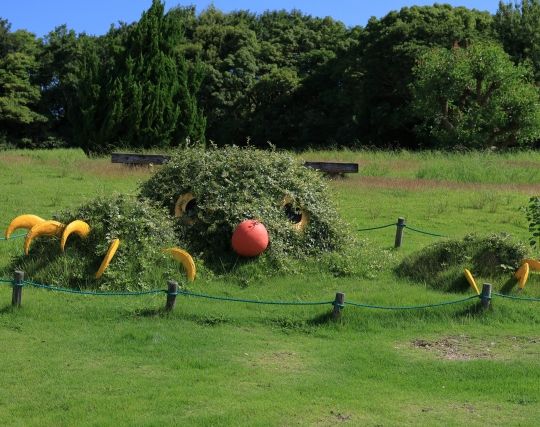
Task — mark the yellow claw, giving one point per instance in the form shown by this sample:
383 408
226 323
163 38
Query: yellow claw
185 258
46 228
471 281
78 227
108 257
533 264
23 221
522 274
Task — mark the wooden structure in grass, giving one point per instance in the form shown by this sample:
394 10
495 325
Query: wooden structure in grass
330 168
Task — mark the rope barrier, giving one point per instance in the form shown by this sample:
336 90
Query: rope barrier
424 232
15 236
252 301
378 228
411 307
429 233
95 293
516 298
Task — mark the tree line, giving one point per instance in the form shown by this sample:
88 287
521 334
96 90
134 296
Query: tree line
421 77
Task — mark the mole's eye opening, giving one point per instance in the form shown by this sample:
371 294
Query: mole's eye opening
186 208
294 213
298 217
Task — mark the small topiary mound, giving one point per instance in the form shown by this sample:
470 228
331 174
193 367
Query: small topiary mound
211 191
441 265
139 264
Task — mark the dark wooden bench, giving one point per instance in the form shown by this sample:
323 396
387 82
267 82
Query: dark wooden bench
333 168
139 159
330 168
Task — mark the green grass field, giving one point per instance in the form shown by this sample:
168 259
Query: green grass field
87 360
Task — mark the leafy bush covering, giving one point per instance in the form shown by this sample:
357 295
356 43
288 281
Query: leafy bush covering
233 184
533 216
441 265
143 230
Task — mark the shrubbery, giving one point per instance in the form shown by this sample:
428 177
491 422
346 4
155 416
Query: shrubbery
143 230
533 216
233 184
441 265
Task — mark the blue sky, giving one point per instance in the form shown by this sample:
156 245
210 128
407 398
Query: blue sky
96 16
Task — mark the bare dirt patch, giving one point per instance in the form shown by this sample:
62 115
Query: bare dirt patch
522 163
15 160
463 347
106 169
452 348
412 184
277 361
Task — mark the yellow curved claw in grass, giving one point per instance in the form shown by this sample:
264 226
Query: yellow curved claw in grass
533 264
78 227
185 258
108 257
46 228
522 274
23 221
472 282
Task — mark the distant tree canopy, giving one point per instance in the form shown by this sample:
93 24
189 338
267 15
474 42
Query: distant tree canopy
474 97
175 78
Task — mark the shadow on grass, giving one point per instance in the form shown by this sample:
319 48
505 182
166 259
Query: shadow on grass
458 285
474 310
508 286
149 312
7 309
321 319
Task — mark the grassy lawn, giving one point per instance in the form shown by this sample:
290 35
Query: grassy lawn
87 360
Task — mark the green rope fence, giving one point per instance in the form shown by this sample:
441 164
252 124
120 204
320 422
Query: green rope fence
377 228
252 301
412 307
513 297
429 233
334 303
96 293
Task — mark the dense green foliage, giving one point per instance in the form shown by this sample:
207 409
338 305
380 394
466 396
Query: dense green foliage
19 93
517 28
441 264
143 229
533 216
285 77
232 184
475 97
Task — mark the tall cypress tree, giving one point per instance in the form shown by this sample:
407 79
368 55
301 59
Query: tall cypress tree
152 96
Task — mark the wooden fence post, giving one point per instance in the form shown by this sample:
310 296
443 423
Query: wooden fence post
399 232
16 293
172 291
485 296
338 305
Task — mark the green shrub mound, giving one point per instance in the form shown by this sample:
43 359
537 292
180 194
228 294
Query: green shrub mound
441 265
139 264
233 184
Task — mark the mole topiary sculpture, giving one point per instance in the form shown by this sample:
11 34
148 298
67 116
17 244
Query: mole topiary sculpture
223 206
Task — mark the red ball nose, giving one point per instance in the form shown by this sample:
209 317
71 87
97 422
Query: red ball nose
250 238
